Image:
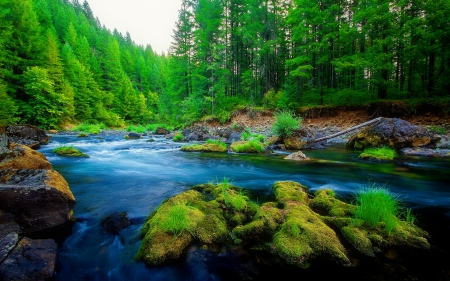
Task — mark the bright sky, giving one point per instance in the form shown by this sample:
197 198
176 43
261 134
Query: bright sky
149 22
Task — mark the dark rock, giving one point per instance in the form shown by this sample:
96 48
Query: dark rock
28 135
9 234
133 136
235 136
395 133
30 260
38 199
197 133
300 139
115 222
161 131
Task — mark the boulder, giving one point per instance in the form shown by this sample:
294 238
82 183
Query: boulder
28 135
301 138
161 131
115 222
133 136
30 260
426 152
197 133
234 136
18 156
395 133
298 156
38 199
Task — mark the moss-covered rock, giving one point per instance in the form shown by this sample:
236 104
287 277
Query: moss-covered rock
69 151
289 191
253 146
205 147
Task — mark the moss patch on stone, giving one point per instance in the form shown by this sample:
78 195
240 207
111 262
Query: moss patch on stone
69 151
252 146
205 147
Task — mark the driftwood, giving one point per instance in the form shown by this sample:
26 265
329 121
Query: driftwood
373 121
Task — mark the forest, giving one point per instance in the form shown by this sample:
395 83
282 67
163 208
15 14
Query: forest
59 65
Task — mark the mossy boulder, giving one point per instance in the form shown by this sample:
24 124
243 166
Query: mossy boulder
205 147
367 240
168 231
69 151
253 146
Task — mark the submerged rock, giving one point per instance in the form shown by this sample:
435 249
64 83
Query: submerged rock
426 152
297 156
115 222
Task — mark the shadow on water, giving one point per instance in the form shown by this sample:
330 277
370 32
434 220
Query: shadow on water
135 176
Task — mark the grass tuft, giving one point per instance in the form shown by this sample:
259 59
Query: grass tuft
382 153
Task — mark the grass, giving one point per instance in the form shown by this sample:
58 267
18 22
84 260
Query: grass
376 205
177 219
152 127
232 198
90 128
253 146
69 151
382 153
178 137
209 146
285 123
136 129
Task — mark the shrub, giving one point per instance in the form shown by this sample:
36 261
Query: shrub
383 153
178 137
90 128
285 123
375 205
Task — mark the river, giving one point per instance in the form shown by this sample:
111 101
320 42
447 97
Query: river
135 176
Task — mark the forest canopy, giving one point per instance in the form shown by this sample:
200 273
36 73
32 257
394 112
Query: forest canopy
59 65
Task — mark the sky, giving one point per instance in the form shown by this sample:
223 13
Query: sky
149 22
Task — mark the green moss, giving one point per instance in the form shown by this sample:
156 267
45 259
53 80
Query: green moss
253 146
178 137
209 146
304 236
82 135
69 151
325 200
380 153
288 191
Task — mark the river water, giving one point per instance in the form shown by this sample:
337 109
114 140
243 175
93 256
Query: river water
135 176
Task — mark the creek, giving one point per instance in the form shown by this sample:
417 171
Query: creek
136 176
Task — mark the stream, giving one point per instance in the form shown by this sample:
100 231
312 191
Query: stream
136 176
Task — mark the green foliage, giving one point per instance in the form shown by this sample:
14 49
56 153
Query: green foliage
178 137
382 153
137 129
252 146
152 127
376 205
232 198
8 110
285 123
90 128
436 129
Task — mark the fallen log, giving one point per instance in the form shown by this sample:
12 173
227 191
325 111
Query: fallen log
373 121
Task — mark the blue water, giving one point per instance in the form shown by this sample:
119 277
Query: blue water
135 176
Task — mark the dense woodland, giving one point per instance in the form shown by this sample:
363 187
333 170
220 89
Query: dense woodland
60 65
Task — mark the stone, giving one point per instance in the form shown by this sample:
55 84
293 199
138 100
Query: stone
426 152
161 131
115 222
30 260
133 136
395 133
297 156
28 135
39 199
302 138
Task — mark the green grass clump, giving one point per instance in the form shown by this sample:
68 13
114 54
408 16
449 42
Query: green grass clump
376 205
90 128
209 146
232 198
136 129
177 219
285 123
382 153
253 146
69 151
178 137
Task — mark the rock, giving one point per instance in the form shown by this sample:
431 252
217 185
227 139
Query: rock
395 133
115 222
38 199
52 132
235 136
302 138
28 135
298 156
161 131
23 157
9 234
133 136
426 152
30 260
197 133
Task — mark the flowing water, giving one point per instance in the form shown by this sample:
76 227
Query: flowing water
135 176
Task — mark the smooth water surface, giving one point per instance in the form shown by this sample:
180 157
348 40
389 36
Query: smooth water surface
135 176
